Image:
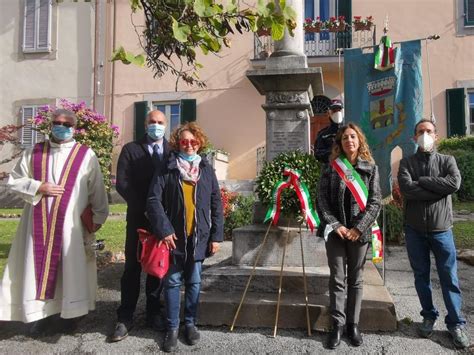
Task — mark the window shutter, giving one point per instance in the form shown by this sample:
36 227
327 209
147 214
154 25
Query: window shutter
44 25
29 32
188 110
26 121
456 111
344 8
140 112
469 12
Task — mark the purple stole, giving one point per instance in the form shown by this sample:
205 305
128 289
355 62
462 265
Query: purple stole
48 224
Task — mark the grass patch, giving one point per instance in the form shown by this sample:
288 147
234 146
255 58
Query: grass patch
464 234
113 232
11 210
118 208
464 205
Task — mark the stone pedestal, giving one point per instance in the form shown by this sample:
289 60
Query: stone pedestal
247 241
287 106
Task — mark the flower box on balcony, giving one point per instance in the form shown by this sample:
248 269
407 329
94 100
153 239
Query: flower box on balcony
337 28
313 28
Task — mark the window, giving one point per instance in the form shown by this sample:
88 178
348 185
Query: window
37 26
172 112
176 111
471 112
468 12
29 136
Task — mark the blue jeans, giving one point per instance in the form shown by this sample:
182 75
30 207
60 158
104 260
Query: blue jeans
190 271
441 244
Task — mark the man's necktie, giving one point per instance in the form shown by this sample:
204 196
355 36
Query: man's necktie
156 154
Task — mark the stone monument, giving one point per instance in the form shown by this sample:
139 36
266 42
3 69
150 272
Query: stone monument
288 85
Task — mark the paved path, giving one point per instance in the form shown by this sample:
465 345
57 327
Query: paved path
92 331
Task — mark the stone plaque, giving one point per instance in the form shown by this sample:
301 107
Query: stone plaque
287 135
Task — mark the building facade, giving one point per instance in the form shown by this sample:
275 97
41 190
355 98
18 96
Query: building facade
47 54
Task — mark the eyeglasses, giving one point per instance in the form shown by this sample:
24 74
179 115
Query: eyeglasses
186 142
65 124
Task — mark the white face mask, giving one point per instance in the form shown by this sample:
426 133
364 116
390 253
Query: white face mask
337 117
426 142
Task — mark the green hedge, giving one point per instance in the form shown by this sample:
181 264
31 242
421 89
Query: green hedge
462 148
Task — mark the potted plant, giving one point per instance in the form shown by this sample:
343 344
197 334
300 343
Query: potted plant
362 25
219 160
336 24
312 26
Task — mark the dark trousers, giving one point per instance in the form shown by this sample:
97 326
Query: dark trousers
346 260
130 282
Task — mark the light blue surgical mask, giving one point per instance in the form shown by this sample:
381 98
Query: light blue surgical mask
156 131
62 133
188 157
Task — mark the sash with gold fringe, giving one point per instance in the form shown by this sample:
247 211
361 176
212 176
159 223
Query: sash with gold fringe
48 223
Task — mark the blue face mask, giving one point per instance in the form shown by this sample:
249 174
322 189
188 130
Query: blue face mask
187 157
62 133
156 131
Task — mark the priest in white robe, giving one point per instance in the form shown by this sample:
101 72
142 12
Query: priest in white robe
33 288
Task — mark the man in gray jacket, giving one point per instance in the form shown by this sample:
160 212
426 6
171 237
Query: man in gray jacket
427 179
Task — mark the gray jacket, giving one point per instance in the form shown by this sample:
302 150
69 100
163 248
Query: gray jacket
330 201
427 180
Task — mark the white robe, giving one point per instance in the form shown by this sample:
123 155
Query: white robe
76 282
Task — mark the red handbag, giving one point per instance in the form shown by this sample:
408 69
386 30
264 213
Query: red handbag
155 259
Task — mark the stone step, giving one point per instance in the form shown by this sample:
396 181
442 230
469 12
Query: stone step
259 309
218 303
265 279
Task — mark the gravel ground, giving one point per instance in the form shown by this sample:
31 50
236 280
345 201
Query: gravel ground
90 337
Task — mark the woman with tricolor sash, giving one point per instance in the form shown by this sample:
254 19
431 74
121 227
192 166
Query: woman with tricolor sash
348 203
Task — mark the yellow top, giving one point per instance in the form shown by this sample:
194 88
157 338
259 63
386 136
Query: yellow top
189 207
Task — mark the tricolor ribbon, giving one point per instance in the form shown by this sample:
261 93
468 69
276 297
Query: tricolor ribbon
293 181
384 55
358 189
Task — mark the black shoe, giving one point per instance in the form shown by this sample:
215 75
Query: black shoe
191 334
121 331
157 322
171 341
354 335
40 327
70 325
334 337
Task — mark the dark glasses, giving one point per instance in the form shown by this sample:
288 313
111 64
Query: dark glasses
65 124
186 142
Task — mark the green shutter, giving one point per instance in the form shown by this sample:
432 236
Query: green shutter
344 8
468 12
140 110
188 110
456 112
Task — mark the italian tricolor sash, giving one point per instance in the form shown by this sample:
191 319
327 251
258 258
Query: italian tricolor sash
302 192
358 189
48 222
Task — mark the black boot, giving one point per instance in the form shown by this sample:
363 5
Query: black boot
171 341
353 334
334 337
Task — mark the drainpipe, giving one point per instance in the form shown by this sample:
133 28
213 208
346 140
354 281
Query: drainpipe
96 38
114 34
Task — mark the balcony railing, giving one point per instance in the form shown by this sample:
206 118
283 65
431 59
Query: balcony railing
320 44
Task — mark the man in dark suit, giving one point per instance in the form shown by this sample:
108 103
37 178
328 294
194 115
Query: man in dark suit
136 166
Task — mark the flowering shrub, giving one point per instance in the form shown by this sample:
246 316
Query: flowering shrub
92 130
237 210
228 199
